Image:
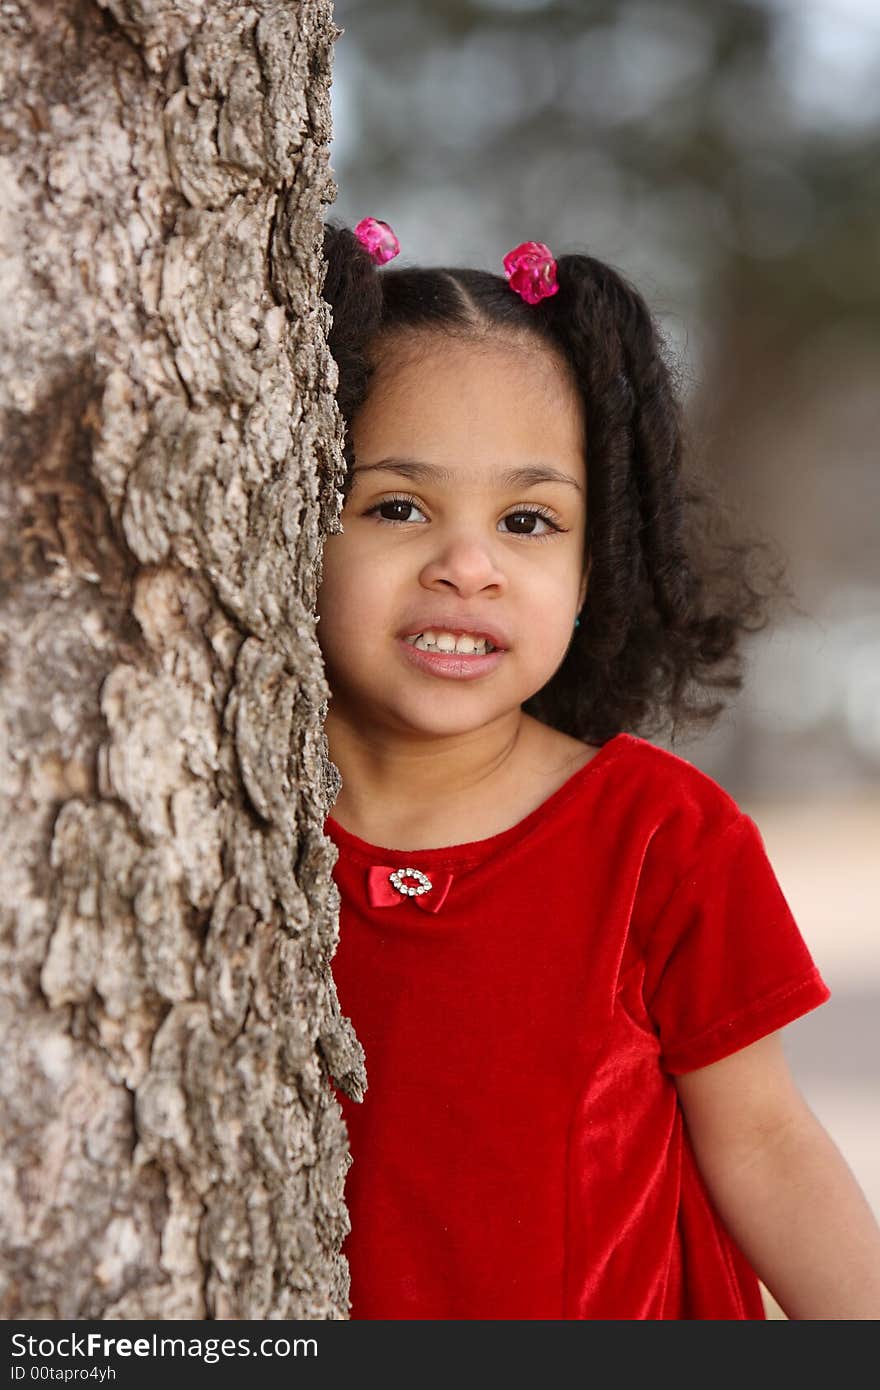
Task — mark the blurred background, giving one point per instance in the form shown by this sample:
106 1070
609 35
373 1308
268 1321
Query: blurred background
726 157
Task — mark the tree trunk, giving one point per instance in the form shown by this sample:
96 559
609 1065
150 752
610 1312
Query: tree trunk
171 459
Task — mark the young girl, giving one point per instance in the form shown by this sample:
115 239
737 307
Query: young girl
563 948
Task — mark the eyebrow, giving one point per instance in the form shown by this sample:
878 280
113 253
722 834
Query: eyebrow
527 476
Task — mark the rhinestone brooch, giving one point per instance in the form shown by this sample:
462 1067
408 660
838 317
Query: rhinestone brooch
397 879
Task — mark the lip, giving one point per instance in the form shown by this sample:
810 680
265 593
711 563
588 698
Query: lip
451 665
459 626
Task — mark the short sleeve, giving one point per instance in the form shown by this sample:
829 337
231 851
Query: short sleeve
725 962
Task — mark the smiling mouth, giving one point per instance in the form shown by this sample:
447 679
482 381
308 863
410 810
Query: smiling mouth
434 661
481 647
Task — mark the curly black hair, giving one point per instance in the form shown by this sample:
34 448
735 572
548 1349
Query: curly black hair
670 593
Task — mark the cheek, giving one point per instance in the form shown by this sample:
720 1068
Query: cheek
340 565
353 593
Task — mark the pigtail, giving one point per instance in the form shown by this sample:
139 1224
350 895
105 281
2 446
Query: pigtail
670 594
353 289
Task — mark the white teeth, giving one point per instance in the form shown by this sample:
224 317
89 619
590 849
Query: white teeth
431 641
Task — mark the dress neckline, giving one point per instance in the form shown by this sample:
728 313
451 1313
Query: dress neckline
473 850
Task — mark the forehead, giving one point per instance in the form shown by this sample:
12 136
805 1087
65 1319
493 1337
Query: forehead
485 405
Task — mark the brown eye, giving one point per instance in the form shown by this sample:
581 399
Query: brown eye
531 516
400 504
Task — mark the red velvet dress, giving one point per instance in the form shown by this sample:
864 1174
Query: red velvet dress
520 1151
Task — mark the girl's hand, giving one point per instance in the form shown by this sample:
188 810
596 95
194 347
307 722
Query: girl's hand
781 1185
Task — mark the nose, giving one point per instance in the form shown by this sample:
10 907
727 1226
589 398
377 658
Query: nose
466 562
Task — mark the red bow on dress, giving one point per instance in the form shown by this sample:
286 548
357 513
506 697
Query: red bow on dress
382 892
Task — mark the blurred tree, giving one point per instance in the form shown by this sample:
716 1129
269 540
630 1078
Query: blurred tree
689 109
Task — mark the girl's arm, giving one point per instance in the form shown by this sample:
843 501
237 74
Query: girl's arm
781 1185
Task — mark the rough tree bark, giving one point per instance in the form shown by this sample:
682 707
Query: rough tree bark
171 459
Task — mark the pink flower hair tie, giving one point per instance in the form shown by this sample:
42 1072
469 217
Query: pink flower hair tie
378 239
531 271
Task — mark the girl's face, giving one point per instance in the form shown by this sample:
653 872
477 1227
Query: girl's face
464 547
